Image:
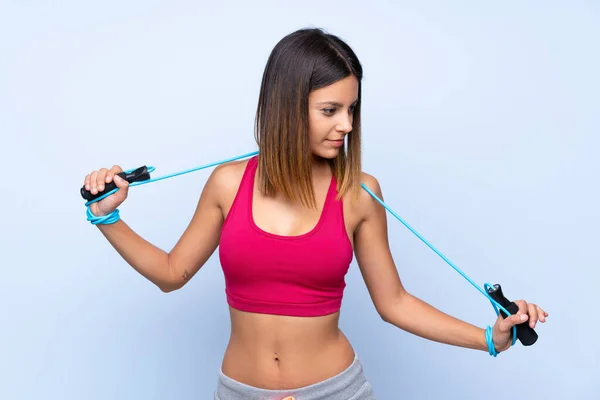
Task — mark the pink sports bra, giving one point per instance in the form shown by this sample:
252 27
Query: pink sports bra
266 273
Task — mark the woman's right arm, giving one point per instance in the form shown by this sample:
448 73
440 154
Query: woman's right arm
168 271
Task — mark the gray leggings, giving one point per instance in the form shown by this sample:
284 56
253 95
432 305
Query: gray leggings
350 384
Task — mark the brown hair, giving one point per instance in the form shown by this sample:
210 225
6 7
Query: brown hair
301 62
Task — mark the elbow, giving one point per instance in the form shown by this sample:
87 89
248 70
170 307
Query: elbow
384 311
385 316
392 316
170 283
391 311
168 288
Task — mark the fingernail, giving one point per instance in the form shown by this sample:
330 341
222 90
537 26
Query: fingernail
523 317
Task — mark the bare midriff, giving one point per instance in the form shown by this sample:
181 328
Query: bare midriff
280 352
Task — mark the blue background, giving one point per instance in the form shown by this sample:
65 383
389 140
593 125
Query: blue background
480 122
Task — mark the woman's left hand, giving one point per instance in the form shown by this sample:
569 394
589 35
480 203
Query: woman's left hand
502 329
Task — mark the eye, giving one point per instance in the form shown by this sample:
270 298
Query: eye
329 111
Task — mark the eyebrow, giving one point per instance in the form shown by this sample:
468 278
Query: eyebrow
335 103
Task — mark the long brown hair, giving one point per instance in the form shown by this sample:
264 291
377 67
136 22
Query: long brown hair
301 62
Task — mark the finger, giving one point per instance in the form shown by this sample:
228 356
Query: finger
123 186
101 179
515 319
533 314
86 182
522 304
120 182
94 187
543 314
112 172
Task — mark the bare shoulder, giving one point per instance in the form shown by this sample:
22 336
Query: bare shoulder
228 176
225 180
370 182
358 212
367 204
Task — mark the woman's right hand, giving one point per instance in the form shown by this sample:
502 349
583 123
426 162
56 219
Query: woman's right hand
95 183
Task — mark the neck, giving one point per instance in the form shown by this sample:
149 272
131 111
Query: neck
321 167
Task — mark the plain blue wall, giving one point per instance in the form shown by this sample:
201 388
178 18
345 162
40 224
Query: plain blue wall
480 122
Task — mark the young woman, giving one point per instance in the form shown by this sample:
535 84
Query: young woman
288 223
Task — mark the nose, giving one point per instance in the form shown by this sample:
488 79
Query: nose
344 123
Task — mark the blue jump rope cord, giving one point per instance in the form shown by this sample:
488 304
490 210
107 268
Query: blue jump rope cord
114 217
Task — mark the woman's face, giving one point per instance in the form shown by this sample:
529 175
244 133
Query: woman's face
330 116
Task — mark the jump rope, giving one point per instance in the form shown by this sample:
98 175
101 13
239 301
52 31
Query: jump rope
502 306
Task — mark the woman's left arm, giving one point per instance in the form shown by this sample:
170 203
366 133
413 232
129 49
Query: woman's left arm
398 307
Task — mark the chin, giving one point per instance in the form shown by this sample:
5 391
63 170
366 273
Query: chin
328 154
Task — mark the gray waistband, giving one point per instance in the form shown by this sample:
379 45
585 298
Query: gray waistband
350 384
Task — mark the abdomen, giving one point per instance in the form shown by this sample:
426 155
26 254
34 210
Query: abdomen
281 352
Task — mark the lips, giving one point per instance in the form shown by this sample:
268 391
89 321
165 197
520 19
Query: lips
336 142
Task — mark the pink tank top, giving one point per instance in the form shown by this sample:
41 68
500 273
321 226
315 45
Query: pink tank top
266 273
